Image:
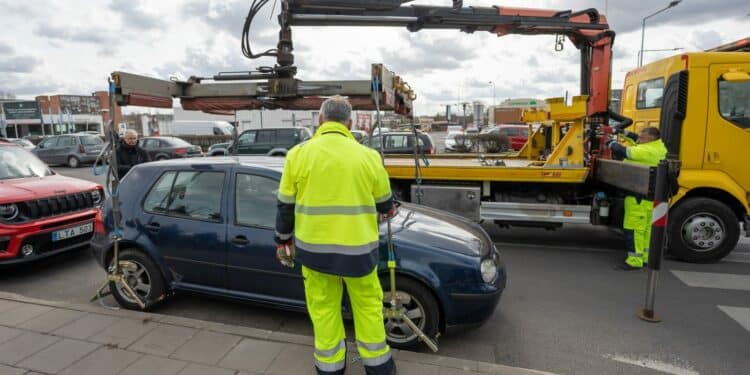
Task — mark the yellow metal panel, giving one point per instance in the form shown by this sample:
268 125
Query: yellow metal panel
693 179
559 111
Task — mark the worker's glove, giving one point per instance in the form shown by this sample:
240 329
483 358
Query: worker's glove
610 130
391 213
285 253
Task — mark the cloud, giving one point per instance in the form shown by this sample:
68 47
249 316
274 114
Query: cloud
427 54
18 64
28 87
706 39
133 17
5 48
64 33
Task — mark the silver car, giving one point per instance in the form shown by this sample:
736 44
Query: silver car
71 150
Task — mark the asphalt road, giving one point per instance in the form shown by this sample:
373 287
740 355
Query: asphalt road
564 310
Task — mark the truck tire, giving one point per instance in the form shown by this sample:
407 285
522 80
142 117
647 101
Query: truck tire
702 230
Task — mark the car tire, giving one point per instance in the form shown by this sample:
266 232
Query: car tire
73 162
146 279
709 220
161 157
422 308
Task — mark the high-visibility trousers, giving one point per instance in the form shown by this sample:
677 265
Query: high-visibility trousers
323 294
638 220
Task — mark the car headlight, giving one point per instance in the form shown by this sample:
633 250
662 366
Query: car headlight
489 270
96 196
8 212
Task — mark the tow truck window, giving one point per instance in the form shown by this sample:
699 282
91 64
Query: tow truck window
734 102
650 93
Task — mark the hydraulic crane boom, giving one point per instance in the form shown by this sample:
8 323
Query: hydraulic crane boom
587 29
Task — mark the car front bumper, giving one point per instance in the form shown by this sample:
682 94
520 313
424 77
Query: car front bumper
39 235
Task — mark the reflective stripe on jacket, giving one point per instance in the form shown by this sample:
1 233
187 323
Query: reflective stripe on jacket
336 186
638 214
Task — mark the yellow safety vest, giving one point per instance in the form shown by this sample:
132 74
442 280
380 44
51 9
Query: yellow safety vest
334 183
638 214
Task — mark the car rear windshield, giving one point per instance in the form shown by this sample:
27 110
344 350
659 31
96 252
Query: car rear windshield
90 140
16 162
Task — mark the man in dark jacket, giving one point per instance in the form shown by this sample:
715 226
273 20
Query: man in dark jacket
129 154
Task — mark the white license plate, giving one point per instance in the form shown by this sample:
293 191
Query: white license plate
72 232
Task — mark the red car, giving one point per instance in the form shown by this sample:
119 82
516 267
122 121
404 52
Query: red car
42 213
518 134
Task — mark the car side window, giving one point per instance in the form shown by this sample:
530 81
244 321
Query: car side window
66 142
285 135
248 138
255 200
195 195
265 137
396 141
734 102
511 132
51 142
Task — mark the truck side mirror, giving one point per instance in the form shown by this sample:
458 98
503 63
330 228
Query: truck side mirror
736 77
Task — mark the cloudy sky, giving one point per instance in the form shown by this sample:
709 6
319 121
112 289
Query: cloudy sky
70 47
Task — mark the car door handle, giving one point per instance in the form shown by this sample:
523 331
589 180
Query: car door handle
153 227
240 240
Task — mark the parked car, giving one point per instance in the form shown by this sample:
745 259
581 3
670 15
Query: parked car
450 140
72 150
219 149
518 134
402 143
200 128
207 226
42 213
162 148
25 143
359 135
270 141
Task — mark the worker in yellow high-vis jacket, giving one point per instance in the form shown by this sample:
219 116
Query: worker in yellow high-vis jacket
648 150
331 192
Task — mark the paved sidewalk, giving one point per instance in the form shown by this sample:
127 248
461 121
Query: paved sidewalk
44 337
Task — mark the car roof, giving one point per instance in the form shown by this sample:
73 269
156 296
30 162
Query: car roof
273 163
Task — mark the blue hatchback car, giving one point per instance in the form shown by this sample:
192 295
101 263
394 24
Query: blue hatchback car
207 226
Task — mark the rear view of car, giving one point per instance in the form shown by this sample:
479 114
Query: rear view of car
42 213
402 143
72 150
518 135
162 148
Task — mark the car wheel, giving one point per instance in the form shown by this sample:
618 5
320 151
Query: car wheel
73 162
161 157
143 276
702 230
418 303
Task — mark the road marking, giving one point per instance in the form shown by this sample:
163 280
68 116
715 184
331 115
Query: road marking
740 315
653 364
739 257
714 280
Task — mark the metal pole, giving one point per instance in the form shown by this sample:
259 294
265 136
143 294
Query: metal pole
643 36
658 243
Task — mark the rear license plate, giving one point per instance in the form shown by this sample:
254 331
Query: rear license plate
72 232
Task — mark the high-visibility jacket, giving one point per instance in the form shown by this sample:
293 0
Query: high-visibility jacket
638 214
336 186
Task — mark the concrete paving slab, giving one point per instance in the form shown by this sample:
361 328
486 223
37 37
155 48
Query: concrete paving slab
196 369
495 369
21 314
162 340
293 359
52 320
7 333
455 371
149 364
413 368
17 349
123 332
252 355
206 347
86 326
104 361
58 356
7 370
437 360
6 305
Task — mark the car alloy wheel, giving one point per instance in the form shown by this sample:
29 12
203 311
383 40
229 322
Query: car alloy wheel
138 279
397 330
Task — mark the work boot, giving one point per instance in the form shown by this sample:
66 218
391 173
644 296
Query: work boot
626 267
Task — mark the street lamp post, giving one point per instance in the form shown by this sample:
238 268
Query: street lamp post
672 4
493 92
640 53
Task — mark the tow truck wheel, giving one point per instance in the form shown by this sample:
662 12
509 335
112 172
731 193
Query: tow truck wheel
702 230
143 276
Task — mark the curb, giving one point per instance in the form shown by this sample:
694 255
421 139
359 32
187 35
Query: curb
276 336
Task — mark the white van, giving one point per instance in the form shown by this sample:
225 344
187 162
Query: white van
200 128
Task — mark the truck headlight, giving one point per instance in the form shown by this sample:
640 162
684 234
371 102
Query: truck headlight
8 212
489 270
